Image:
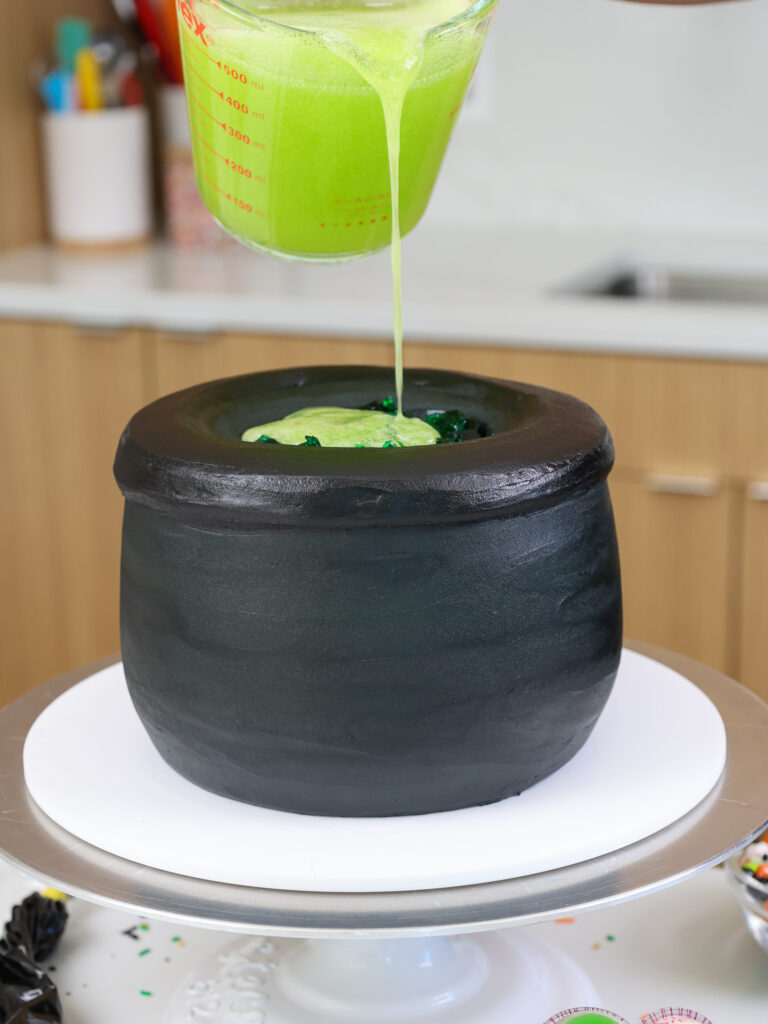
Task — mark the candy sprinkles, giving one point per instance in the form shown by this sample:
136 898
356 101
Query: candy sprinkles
674 1015
591 1015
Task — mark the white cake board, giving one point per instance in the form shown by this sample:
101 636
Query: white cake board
656 752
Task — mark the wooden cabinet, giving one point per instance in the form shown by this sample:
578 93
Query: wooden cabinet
675 538
753 604
186 359
65 395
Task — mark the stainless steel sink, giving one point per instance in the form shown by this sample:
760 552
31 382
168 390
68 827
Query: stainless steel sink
660 284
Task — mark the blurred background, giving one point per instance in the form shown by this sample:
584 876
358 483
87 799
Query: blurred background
600 226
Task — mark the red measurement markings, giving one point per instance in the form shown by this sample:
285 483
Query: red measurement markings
233 133
231 101
349 223
207 112
193 23
241 204
209 146
205 53
217 187
244 172
235 73
205 82
231 72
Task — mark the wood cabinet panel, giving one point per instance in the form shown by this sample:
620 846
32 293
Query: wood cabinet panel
670 415
184 360
590 377
65 397
745 400
676 559
753 620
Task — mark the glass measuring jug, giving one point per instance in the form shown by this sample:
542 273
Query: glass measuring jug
289 138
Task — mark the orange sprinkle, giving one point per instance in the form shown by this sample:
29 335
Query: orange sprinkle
565 920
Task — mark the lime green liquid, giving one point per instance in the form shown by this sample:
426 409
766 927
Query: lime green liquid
344 428
325 143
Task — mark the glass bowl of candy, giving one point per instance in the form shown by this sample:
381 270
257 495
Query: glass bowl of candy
748 876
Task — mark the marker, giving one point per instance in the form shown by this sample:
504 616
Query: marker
89 80
72 36
57 90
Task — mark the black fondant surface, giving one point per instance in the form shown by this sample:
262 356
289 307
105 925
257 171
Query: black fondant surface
391 659
183 452
372 672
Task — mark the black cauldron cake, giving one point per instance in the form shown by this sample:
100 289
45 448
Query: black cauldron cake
349 632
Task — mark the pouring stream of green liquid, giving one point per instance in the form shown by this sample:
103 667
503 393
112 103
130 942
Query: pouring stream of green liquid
386 46
390 70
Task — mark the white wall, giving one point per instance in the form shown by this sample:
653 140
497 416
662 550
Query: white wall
606 113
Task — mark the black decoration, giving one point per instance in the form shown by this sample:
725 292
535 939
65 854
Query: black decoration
27 994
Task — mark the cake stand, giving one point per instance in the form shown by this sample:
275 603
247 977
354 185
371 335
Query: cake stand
450 955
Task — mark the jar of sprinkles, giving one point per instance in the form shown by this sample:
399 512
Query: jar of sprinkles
674 1015
587 1015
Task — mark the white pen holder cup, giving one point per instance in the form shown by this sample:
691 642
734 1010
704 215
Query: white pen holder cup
98 176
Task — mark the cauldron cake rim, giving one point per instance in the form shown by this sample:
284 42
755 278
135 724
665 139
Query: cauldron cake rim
182 453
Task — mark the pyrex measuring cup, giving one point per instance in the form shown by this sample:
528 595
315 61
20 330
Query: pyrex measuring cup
289 139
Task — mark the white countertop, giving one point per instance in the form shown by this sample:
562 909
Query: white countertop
685 946
471 286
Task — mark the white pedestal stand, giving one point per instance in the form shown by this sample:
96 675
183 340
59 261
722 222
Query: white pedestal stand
493 978
446 955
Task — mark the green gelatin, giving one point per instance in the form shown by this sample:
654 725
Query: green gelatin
288 127
332 427
593 1017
